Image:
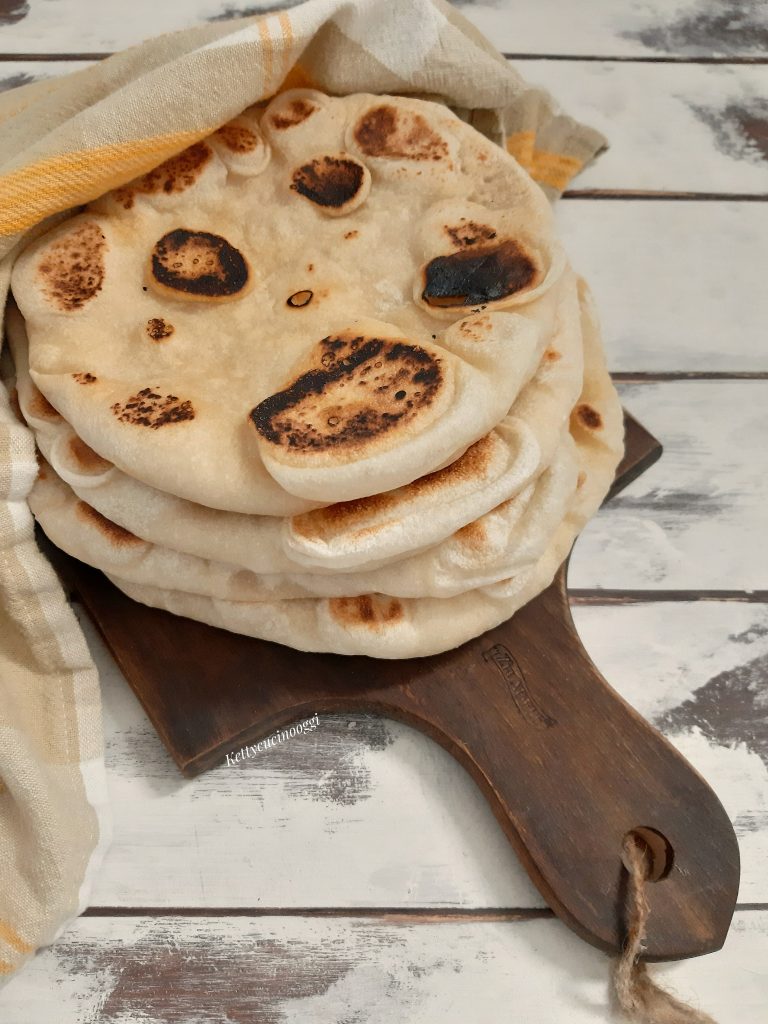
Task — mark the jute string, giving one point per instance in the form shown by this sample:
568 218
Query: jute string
638 995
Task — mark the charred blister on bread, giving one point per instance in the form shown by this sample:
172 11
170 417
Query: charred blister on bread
116 535
159 329
588 416
370 611
473 536
85 377
479 275
84 459
294 110
240 146
198 265
358 388
396 133
300 299
176 174
149 408
335 184
71 268
476 328
38 407
237 137
468 232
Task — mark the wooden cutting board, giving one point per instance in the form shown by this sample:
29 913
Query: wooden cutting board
567 766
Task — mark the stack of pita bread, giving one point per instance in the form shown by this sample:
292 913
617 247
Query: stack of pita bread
325 378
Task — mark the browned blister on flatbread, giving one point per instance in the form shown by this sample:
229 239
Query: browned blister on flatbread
240 145
479 275
335 184
588 417
113 533
84 459
150 408
198 265
481 258
38 406
392 132
159 329
468 232
371 611
356 389
176 174
292 112
71 268
237 137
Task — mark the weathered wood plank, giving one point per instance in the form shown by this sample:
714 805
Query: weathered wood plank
269 969
14 73
696 519
656 28
624 28
645 110
364 812
669 296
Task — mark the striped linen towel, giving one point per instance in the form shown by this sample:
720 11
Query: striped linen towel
67 141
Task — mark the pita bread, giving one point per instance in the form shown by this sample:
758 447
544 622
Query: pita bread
385 526
389 627
322 301
362 534
500 543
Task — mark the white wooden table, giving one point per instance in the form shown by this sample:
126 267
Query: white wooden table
356 874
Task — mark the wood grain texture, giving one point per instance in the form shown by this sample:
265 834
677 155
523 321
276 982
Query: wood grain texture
695 520
313 971
656 28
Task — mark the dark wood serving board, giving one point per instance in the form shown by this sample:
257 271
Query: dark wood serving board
567 766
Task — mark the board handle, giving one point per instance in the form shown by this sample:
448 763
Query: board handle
569 769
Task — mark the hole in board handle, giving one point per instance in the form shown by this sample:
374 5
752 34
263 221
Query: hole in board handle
657 851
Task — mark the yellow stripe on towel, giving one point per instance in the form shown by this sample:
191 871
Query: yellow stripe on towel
12 938
55 183
553 169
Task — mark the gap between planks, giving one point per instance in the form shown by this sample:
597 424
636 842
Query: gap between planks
657 376
597 58
653 194
607 597
612 58
424 915
418 915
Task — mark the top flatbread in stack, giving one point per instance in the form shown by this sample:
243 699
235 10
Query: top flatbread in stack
278 325
332 352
